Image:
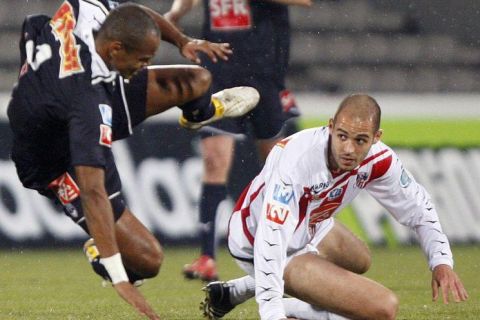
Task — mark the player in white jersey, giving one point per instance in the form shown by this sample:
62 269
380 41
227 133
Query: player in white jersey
282 231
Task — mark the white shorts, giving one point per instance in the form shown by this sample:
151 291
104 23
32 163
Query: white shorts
311 247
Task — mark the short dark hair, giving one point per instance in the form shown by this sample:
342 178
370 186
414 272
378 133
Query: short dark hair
129 24
362 103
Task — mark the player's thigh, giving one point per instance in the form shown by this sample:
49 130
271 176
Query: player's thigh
174 85
217 154
345 249
319 282
140 250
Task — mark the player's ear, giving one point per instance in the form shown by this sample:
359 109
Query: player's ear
377 136
330 125
114 47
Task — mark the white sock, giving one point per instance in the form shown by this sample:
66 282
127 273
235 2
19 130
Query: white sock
301 310
241 289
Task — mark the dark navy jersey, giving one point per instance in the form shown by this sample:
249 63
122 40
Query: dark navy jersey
257 30
61 111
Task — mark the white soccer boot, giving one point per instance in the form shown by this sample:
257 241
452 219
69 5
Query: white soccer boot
228 103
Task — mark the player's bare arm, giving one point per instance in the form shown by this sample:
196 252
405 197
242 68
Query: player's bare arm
99 218
189 47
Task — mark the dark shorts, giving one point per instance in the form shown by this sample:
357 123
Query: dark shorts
129 104
65 192
267 119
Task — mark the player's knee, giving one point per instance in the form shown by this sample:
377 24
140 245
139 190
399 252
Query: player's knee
388 307
152 261
202 79
364 260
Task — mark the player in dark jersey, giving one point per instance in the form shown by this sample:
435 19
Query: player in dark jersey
259 33
83 83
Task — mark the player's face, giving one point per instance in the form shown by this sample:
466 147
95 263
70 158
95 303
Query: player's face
128 62
351 139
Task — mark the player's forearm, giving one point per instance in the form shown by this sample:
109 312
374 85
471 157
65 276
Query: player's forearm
97 209
180 8
170 33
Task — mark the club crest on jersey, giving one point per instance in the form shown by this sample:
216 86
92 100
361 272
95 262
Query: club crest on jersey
405 179
282 193
277 213
106 112
335 193
105 135
65 188
362 178
63 24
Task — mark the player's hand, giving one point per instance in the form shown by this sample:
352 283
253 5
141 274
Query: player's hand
214 51
445 278
130 294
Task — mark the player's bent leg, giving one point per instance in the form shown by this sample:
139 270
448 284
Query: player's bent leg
140 250
175 85
341 247
323 284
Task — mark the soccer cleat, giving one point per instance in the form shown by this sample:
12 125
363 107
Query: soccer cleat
91 251
203 268
217 300
228 103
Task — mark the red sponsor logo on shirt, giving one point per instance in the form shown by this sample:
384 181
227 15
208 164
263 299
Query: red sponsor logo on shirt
277 213
230 14
63 23
105 135
65 188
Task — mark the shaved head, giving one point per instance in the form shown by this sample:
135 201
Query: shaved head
362 107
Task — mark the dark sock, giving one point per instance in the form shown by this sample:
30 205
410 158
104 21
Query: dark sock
212 195
199 109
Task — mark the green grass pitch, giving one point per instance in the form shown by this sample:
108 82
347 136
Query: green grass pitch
58 284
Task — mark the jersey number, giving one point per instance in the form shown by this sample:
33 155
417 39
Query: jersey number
37 55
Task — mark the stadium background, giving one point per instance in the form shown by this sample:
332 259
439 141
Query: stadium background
420 59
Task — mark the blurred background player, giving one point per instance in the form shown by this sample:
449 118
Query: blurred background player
259 34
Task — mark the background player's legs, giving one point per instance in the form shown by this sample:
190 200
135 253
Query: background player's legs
321 283
341 247
217 154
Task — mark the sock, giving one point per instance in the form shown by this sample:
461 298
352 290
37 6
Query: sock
212 195
299 309
241 289
199 109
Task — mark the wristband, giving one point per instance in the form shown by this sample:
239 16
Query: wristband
115 268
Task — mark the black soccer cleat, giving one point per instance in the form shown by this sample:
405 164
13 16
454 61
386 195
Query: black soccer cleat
217 300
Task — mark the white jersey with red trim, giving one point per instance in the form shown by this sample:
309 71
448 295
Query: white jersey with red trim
295 194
